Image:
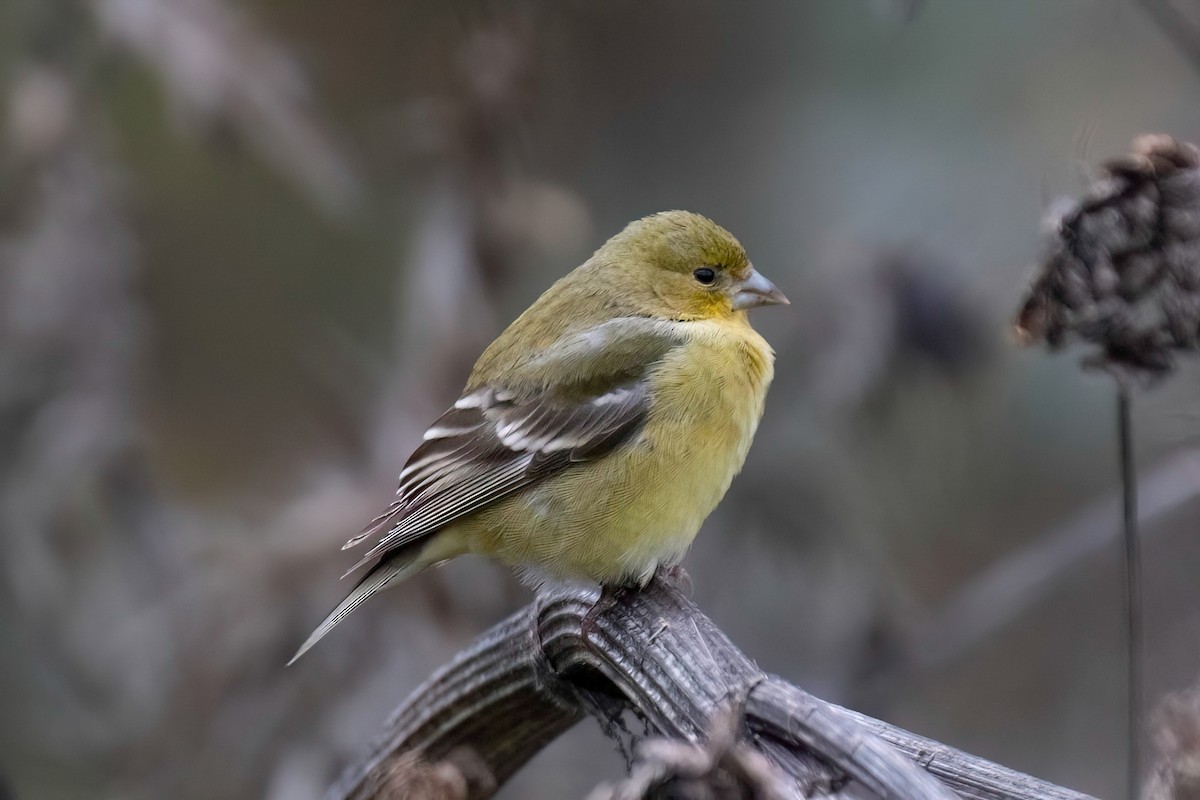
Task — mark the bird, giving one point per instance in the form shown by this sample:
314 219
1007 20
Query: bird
599 430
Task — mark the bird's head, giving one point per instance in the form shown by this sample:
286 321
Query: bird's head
685 266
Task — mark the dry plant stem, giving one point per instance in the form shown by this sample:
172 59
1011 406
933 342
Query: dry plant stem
654 653
1121 275
490 698
1133 589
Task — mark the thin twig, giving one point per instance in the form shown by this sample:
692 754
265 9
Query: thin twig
1133 588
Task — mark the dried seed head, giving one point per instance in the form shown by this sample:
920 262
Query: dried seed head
1176 729
723 767
1121 270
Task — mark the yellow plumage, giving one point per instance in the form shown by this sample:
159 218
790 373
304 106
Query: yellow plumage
601 428
616 519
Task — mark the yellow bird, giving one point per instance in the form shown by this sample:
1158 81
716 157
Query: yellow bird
600 429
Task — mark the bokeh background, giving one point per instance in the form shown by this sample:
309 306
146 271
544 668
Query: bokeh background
248 250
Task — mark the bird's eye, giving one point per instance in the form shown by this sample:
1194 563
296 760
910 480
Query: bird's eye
705 275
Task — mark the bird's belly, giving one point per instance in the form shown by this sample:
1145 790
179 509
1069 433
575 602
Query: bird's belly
616 519
605 522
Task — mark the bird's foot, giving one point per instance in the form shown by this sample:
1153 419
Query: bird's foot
677 577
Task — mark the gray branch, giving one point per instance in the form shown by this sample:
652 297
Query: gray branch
653 653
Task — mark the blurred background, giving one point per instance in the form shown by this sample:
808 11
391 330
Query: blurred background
248 250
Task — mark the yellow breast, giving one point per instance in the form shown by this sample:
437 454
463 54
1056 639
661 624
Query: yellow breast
708 401
614 520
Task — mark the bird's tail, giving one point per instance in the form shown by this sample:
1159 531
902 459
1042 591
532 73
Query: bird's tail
396 567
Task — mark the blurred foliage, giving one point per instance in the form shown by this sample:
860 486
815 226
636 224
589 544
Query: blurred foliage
248 250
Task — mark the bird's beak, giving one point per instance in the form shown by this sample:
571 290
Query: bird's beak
757 291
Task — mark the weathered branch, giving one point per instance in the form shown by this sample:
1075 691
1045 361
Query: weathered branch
654 653
492 698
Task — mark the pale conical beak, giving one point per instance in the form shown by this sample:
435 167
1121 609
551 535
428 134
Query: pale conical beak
757 291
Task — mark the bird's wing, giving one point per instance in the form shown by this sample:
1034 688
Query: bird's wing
498 439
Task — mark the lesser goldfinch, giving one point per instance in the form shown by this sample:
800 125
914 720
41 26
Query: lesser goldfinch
600 429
